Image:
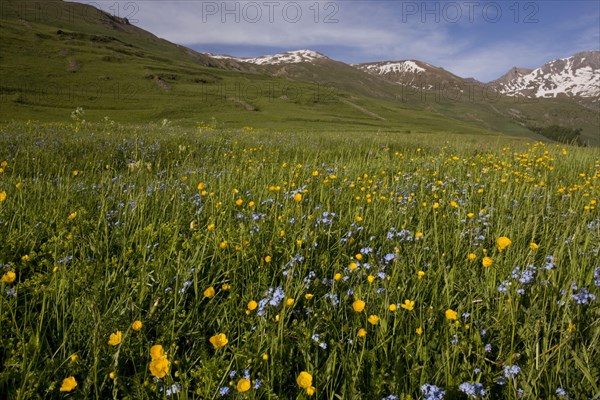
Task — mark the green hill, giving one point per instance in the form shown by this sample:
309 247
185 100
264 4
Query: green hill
57 56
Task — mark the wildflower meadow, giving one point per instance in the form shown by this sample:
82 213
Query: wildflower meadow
163 262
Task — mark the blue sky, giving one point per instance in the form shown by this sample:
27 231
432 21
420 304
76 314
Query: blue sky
481 39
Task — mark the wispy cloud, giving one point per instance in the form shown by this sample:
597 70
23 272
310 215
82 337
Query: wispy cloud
481 43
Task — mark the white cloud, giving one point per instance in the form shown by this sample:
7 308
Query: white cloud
367 31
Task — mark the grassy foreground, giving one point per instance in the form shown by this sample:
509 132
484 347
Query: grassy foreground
281 266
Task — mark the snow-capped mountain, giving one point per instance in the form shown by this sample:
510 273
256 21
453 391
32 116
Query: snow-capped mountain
291 57
575 76
417 74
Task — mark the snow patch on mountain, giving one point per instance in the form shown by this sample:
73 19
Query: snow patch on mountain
578 75
291 57
397 67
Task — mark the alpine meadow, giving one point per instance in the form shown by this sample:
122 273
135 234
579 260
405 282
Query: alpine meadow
176 224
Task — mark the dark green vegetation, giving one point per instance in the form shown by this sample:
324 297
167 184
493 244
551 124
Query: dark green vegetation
58 56
560 134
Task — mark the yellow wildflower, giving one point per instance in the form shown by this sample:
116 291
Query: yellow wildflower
219 340
209 292
9 277
503 242
157 352
115 338
243 385
408 305
68 384
304 380
159 367
358 305
451 315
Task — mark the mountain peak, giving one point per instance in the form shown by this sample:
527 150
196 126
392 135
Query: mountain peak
289 57
577 75
386 67
513 73
414 73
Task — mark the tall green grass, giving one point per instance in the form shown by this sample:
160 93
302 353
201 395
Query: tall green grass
105 224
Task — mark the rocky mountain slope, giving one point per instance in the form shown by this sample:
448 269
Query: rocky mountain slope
575 76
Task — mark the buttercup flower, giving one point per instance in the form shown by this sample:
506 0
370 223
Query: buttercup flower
137 325
451 315
243 385
304 380
157 352
487 262
358 306
408 305
373 319
9 277
115 338
159 367
68 384
219 340
252 305
210 292
503 242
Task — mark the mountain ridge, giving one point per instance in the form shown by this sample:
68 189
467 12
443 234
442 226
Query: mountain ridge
568 76
574 76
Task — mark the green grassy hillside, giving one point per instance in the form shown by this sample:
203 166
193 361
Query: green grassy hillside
57 56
